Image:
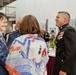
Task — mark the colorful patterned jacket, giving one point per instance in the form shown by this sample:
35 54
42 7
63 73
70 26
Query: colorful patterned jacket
28 55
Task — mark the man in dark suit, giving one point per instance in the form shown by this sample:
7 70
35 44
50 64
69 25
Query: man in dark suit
65 60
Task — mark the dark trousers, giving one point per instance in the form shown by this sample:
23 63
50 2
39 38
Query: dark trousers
57 66
3 70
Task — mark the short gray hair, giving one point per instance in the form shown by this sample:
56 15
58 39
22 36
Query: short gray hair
66 14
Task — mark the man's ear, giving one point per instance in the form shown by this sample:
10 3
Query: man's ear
65 19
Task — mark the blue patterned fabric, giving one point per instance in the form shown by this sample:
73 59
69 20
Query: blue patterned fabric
28 55
3 48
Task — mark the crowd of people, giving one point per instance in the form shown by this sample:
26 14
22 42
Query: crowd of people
25 51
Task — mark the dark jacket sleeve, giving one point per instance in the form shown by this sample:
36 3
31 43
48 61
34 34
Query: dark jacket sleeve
12 36
3 51
70 49
10 40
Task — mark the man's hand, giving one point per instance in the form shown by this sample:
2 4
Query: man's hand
62 73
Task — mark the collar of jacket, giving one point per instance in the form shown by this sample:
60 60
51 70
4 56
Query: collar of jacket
60 28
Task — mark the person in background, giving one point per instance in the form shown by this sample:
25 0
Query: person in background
3 47
65 60
18 24
52 39
50 43
7 31
42 33
47 39
28 53
46 36
14 34
52 35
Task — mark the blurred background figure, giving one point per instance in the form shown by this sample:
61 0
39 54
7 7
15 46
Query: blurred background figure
46 36
14 34
29 50
52 35
47 39
18 24
52 39
51 51
42 34
7 32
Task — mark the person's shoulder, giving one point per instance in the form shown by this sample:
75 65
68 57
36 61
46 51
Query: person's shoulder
70 31
69 28
14 32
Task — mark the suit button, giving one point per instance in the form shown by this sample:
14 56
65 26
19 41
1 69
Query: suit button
62 60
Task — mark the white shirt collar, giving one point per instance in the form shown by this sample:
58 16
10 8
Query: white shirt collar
0 33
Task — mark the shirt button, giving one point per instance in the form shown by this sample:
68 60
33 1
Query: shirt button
62 60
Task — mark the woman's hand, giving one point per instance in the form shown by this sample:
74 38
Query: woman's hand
62 73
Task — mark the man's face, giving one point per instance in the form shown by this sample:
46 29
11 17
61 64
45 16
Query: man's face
3 24
59 20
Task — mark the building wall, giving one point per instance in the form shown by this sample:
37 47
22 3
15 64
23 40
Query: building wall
9 11
45 9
